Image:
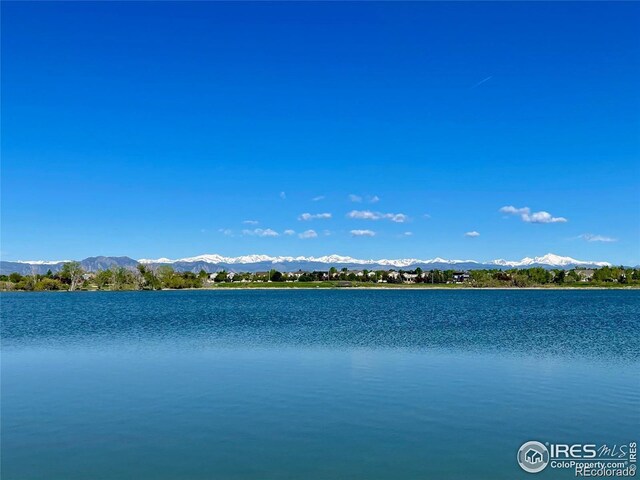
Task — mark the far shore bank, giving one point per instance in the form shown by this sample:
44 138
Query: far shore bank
358 287
413 287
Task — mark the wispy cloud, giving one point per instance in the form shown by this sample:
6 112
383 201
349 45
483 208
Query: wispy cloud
367 198
408 234
308 234
289 232
427 216
363 233
532 217
472 234
481 82
250 222
314 216
283 195
590 237
227 232
364 215
369 215
259 232
318 198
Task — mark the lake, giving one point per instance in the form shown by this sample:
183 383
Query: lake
331 384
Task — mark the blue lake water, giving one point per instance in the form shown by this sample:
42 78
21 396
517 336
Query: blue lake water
311 384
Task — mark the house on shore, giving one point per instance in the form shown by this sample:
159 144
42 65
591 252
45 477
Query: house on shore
461 277
410 277
585 275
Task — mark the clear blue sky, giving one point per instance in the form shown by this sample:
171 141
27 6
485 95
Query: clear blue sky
156 129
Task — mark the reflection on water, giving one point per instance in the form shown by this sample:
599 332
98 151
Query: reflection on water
308 384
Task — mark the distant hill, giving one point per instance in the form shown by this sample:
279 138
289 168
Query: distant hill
90 264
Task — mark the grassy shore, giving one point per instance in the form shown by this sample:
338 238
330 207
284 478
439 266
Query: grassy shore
356 286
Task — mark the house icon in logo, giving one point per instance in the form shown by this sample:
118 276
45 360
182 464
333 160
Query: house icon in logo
533 456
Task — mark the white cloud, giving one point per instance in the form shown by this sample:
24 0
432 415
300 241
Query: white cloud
427 216
289 232
408 234
362 233
355 198
326 233
369 215
314 216
532 217
308 234
472 234
318 198
259 232
513 210
373 199
590 237
250 222
283 195
226 231
542 217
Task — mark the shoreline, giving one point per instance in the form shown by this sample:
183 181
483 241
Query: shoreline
324 287
410 288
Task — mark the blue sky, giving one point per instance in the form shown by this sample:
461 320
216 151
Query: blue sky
157 129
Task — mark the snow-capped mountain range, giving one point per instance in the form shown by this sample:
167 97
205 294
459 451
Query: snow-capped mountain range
549 259
328 259
253 263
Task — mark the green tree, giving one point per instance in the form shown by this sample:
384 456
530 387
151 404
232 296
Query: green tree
103 279
275 276
165 275
15 277
560 276
150 280
71 273
27 283
604 274
49 284
123 279
571 277
221 277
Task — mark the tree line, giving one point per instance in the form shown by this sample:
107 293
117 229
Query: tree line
73 277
